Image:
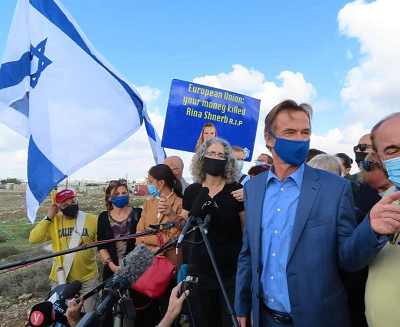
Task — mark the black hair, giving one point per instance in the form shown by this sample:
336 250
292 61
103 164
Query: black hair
165 173
347 161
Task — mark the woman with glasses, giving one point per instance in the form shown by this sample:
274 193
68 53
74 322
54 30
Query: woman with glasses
117 221
164 205
214 166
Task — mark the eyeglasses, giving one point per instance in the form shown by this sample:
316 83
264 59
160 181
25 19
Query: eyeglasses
367 165
214 155
362 147
118 182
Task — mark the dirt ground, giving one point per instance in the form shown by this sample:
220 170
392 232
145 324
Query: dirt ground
20 290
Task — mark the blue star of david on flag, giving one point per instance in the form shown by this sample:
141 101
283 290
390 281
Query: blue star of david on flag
43 61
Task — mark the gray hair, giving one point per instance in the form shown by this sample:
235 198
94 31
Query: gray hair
231 171
326 162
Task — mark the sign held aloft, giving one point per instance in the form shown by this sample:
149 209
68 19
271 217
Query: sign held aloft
194 108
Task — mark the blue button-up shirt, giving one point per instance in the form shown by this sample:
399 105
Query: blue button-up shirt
279 211
244 179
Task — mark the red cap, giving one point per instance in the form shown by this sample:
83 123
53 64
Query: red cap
63 195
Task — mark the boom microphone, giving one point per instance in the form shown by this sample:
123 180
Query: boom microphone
133 266
195 212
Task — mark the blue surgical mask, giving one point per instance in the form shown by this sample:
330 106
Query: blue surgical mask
240 165
393 170
292 152
260 163
153 190
120 201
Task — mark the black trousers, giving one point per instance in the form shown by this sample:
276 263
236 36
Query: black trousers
213 308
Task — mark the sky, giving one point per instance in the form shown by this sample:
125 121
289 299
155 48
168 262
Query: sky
342 57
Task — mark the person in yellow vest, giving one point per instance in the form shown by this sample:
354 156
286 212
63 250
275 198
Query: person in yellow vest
74 228
382 295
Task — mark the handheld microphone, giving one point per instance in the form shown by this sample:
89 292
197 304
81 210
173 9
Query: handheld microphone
42 315
133 266
189 283
71 290
194 213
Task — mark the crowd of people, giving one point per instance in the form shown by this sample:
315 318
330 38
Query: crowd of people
298 240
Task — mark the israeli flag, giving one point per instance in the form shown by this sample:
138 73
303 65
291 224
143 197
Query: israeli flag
61 94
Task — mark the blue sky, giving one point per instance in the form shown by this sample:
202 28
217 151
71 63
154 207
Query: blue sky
153 42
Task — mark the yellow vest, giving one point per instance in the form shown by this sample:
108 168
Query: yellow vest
382 294
84 265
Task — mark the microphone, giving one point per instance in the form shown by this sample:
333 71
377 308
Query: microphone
133 266
194 213
189 283
209 208
180 223
42 315
71 290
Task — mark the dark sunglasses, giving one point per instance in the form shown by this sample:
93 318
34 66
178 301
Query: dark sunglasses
367 165
118 182
362 147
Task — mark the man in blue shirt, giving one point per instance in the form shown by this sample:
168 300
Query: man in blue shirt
300 226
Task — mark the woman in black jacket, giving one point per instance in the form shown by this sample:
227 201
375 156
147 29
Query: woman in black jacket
117 221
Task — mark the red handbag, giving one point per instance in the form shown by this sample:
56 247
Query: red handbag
154 282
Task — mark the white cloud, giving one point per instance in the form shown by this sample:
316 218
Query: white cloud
149 93
13 153
372 89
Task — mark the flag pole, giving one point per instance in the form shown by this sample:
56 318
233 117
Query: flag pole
61 278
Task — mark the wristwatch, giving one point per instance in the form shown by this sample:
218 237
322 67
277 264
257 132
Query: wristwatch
107 261
47 218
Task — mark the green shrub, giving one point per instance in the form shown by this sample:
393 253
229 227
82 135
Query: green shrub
3 238
32 279
8 250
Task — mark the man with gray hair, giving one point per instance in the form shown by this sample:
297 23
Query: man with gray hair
300 226
326 162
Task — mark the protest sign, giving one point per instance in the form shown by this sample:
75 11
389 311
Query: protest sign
195 110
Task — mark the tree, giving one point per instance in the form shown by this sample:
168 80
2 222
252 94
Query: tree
11 180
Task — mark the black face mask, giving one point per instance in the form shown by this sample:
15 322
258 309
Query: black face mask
360 156
214 167
71 211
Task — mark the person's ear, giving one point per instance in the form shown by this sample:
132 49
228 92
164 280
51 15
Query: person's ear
161 184
346 171
269 141
376 157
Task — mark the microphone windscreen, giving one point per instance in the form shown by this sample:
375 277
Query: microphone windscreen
192 270
71 290
197 206
42 315
136 263
182 273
